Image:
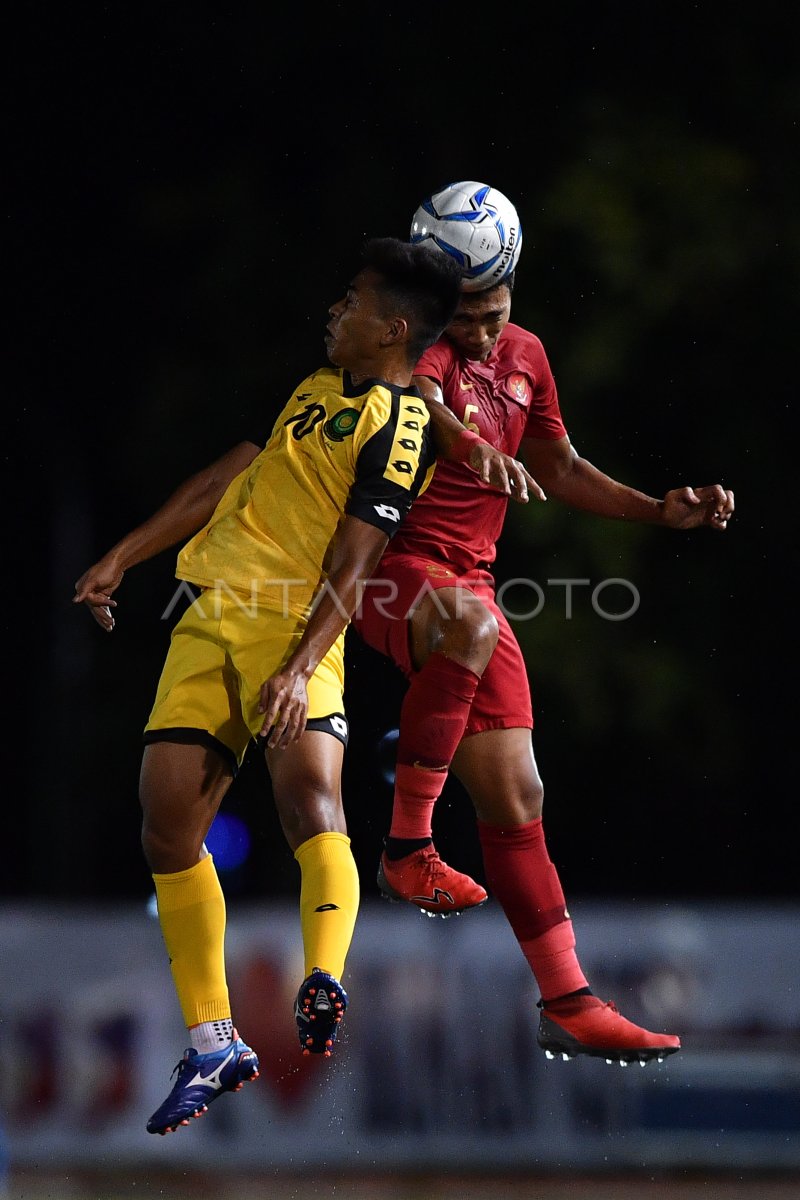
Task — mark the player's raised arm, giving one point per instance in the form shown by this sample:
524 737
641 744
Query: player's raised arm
457 444
579 484
188 508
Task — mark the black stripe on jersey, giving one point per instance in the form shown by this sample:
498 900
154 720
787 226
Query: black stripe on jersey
375 497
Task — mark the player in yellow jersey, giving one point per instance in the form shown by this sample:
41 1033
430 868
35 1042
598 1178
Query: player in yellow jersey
282 542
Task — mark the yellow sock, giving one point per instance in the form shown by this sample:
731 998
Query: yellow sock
191 911
329 896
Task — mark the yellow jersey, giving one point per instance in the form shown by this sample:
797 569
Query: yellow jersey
336 449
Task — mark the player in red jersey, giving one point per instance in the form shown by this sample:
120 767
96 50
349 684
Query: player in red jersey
431 607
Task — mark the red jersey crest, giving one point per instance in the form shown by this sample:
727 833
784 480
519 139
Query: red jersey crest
518 387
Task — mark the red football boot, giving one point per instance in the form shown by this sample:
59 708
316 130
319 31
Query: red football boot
423 879
588 1025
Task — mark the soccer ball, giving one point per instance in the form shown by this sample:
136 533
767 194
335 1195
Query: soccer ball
477 226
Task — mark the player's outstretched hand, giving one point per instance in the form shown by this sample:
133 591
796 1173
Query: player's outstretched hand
94 589
504 473
689 508
284 704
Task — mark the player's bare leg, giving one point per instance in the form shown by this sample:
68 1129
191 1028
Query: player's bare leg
499 771
180 790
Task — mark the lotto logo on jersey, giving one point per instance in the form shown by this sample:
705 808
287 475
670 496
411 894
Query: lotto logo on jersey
387 512
407 443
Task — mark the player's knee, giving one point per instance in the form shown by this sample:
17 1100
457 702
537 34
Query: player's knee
312 808
532 796
167 849
535 800
472 632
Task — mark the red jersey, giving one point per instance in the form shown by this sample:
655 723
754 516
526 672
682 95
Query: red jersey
511 396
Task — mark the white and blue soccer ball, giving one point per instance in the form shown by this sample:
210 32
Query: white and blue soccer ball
477 226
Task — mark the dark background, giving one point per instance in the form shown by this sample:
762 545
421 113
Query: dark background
186 193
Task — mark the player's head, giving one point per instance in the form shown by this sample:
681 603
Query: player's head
396 306
417 282
480 318
508 281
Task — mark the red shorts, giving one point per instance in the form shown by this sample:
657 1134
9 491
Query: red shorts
382 619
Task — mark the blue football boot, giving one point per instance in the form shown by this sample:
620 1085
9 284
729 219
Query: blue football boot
201 1078
318 1011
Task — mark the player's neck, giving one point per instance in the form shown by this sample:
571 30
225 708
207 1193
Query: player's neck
395 373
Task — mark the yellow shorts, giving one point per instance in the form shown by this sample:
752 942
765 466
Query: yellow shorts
221 651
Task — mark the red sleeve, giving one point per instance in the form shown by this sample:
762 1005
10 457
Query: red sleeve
435 361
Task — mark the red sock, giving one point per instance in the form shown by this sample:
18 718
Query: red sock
432 721
526 884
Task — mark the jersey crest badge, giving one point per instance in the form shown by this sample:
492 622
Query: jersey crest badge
518 386
341 425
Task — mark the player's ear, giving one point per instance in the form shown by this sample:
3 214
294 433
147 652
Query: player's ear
396 331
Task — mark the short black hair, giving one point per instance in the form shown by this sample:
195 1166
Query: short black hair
424 283
506 281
